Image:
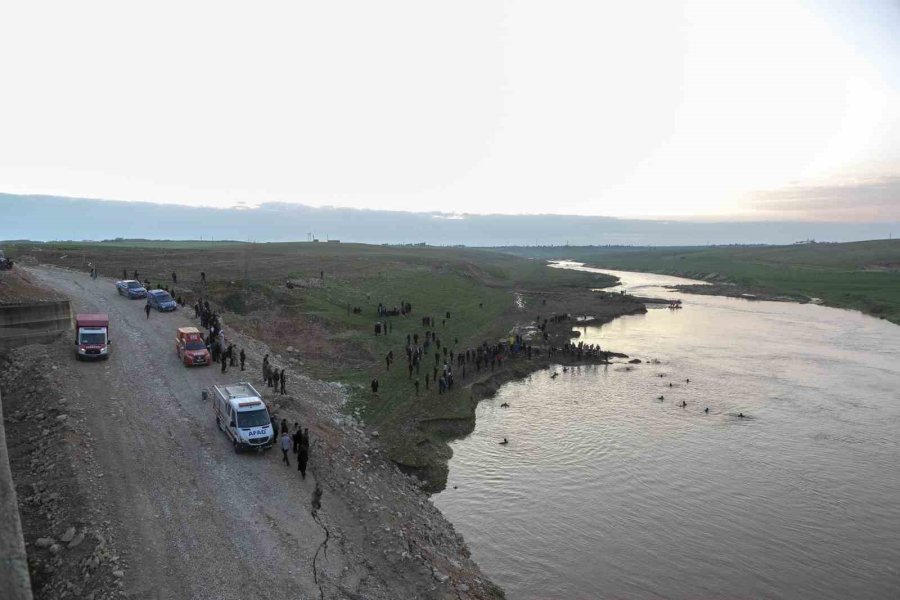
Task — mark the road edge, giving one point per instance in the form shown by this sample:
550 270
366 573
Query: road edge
15 583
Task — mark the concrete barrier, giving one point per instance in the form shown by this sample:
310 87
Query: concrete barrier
34 323
15 583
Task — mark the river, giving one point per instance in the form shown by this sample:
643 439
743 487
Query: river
605 491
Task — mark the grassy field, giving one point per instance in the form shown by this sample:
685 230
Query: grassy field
482 290
863 276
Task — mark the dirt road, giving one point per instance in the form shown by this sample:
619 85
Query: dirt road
194 519
197 520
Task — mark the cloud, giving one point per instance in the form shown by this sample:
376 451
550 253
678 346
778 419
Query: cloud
862 199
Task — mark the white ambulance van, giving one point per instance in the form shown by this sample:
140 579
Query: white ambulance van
243 416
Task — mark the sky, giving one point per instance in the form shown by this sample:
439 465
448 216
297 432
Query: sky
712 110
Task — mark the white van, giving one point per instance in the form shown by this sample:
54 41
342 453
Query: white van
243 416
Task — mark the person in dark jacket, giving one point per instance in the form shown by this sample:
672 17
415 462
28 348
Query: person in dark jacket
282 378
147 309
174 277
243 358
297 436
303 453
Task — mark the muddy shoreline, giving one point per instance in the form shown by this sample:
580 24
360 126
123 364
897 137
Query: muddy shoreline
434 472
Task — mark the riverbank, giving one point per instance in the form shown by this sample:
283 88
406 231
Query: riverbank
743 292
863 276
419 427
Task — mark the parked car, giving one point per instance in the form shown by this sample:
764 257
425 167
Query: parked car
190 348
131 289
161 300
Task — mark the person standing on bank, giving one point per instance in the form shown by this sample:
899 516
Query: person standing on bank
282 378
243 358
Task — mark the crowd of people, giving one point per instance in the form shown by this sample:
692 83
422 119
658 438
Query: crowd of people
296 441
579 351
434 362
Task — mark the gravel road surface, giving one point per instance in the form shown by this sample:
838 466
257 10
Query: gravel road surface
194 519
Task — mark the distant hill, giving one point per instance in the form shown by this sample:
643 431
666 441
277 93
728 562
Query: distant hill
44 218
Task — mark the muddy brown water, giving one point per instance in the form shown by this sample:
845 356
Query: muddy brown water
605 491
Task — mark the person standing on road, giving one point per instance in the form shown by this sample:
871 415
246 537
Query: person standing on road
265 368
303 453
285 447
231 355
282 379
147 309
243 358
203 277
174 277
224 359
297 436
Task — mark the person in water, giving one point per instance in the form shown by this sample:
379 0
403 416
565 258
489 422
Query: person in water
706 410
741 415
504 442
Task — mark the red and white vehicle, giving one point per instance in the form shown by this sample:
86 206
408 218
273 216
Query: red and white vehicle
190 347
92 336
